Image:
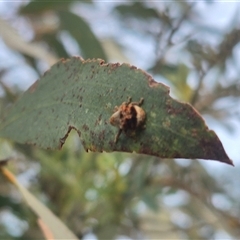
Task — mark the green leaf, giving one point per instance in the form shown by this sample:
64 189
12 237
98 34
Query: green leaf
143 12
149 198
137 9
56 45
178 77
57 228
38 6
81 95
80 30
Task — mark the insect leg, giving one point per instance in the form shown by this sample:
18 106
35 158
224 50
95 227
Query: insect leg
118 134
138 103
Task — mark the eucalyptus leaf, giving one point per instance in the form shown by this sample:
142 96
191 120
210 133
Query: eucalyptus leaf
78 28
81 95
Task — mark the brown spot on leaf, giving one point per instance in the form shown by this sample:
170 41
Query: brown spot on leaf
101 62
102 135
98 120
133 67
85 127
152 83
70 76
194 132
63 96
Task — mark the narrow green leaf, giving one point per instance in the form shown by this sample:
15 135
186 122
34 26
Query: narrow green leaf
56 45
58 229
80 30
137 9
81 95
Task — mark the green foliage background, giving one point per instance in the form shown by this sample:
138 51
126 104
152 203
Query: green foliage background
119 194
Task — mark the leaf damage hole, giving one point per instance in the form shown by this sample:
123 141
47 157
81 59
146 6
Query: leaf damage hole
63 139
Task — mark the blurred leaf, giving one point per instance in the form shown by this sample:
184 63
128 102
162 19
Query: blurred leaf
9 95
16 42
164 68
55 45
54 224
38 6
177 75
45 230
33 63
81 95
114 50
137 9
149 197
80 30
